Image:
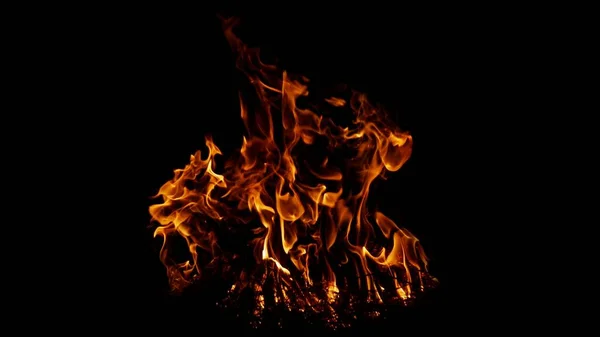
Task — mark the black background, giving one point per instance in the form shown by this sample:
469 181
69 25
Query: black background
164 77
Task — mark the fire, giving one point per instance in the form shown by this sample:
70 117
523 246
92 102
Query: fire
299 189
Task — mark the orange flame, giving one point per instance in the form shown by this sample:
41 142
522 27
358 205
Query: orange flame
307 183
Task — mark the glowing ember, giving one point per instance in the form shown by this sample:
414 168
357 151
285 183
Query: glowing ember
298 190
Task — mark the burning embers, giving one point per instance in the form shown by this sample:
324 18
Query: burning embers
287 220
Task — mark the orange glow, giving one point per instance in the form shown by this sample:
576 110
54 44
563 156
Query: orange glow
300 183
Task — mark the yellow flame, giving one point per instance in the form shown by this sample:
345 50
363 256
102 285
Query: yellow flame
312 208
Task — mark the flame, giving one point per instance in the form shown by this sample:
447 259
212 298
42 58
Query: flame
300 185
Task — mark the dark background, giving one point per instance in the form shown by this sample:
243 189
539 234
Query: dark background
166 78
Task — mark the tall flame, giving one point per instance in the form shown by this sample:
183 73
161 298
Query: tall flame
301 184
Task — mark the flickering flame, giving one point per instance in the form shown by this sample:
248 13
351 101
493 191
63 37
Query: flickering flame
300 183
